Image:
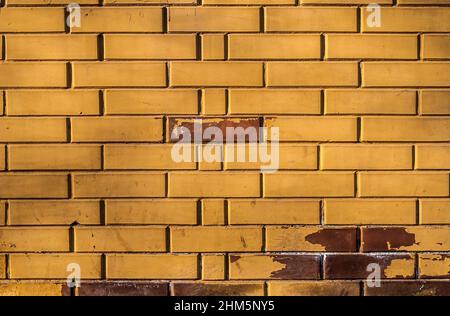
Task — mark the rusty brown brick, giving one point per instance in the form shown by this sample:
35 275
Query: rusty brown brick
334 239
409 288
385 239
125 288
218 289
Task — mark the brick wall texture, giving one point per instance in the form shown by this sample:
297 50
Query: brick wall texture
86 174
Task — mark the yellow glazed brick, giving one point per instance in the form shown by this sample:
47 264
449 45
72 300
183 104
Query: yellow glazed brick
434 265
314 128
362 157
2 267
279 101
405 129
313 288
119 74
213 46
205 165
33 185
36 239
405 74
249 74
346 101
149 1
423 1
31 289
216 239
308 184
434 211
276 211
371 46
155 211
411 19
432 157
2 213
213 101
116 129
398 184
145 266
435 46
247 2
2 158
213 212
120 19
157 46
213 267
52 102
53 212
120 239
137 184
271 46
32 20
282 74
435 102
33 130
33 75
2 100
213 19
151 101
214 184
46 2
51 47
314 19
369 212
156 157
54 157
344 1
53 266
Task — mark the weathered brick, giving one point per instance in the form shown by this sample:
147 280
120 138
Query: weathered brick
34 239
432 157
212 288
434 266
213 267
247 2
434 211
313 288
32 20
409 288
435 46
33 75
33 288
33 185
435 102
123 288
53 2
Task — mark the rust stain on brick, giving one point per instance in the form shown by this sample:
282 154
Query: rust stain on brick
334 239
233 259
296 267
216 289
384 239
125 288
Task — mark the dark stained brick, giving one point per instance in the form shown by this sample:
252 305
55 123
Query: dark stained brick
385 239
409 288
334 239
123 288
218 289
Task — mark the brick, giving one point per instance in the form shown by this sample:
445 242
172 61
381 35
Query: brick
214 184
33 186
213 212
212 150
407 184
33 75
328 73
46 2
154 211
156 157
355 266
120 19
33 130
435 46
310 19
409 20
405 129
435 102
292 266
2 99
409 288
308 184
348 46
247 2
432 157
434 265
405 74
213 19
53 212
235 288
345 1
120 239
151 101
52 102
423 1
369 212
277 211
362 157
31 20
2 213
119 74
370 101
214 101
2 267
280 101
137 184
313 128
54 157
412 238
34 239
2 158
310 238
155 46
213 267
51 47
11 288
279 46
147 266
213 46
313 288
54 266
116 129
149 1
216 74
121 288
434 211
215 239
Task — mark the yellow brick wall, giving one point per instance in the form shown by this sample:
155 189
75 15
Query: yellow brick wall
87 177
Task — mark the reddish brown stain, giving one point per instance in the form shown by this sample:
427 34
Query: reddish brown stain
384 239
202 289
334 239
233 259
297 267
125 288
410 288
